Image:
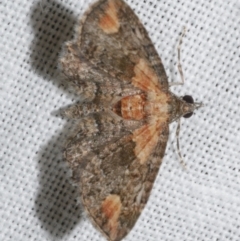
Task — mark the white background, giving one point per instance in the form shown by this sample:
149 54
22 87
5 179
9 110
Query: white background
201 203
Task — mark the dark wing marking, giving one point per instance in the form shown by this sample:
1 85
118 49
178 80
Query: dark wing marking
92 133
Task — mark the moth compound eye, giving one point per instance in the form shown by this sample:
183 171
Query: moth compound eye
188 99
188 115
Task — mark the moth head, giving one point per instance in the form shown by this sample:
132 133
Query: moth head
189 106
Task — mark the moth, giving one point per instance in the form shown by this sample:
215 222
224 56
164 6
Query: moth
122 118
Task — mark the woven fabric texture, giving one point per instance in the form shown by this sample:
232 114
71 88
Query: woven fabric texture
37 200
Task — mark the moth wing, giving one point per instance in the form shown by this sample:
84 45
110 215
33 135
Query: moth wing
92 133
91 83
117 177
112 38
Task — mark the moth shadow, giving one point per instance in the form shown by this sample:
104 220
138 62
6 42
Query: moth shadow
52 24
56 202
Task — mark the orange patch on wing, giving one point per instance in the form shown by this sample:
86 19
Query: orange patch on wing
111 208
109 22
145 78
146 138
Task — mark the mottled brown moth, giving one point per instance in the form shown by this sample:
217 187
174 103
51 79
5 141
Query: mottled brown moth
123 116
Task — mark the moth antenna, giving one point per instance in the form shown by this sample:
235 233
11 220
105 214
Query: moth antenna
179 54
178 145
179 58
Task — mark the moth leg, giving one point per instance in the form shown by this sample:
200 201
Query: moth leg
179 59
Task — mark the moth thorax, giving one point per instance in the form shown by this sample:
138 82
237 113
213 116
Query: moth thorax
156 108
130 107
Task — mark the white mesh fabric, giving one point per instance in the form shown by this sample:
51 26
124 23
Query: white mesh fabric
200 203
